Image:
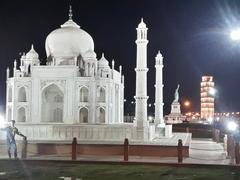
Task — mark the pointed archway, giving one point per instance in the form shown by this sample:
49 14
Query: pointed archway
83 94
22 97
52 104
21 115
101 115
83 115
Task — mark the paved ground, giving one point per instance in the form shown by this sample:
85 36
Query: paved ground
202 151
205 151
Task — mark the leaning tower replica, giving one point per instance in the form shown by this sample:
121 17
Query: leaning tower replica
207 99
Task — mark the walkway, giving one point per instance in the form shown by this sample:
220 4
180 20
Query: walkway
205 151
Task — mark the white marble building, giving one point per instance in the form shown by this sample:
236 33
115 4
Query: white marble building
77 95
74 87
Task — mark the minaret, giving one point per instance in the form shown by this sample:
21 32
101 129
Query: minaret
113 64
159 90
141 78
7 72
14 67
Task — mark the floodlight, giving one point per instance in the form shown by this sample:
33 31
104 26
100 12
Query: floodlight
232 126
235 34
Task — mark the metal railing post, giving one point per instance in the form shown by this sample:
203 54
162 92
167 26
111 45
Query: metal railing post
126 149
237 155
180 149
24 148
74 148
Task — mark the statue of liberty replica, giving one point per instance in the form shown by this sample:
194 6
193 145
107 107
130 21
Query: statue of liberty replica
175 116
176 95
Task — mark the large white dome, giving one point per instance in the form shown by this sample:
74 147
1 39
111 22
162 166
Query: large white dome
68 41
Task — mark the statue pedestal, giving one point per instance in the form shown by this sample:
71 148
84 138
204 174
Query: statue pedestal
175 108
175 116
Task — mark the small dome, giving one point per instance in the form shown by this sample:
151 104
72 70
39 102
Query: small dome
68 41
142 24
103 62
89 54
32 54
159 55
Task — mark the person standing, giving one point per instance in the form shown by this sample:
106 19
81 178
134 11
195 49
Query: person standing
11 131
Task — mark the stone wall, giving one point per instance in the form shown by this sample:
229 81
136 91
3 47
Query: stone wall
63 132
105 149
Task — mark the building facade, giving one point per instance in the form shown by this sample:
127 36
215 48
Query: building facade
74 87
75 94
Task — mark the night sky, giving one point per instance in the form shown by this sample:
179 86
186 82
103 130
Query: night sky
193 37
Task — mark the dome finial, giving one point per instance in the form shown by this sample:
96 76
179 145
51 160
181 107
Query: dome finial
70 22
70 12
142 24
159 55
32 47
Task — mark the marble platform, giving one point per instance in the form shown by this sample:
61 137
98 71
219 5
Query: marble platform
83 132
159 147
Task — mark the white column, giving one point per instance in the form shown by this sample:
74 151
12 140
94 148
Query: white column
70 98
120 70
14 68
14 100
7 71
93 103
112 86
141 77
113 63
96 69
121 90
159 90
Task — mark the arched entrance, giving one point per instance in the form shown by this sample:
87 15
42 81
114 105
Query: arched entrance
52 104
22 97
101 115
21 115
83 94
83 115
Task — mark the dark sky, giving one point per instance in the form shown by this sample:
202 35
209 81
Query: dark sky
193 37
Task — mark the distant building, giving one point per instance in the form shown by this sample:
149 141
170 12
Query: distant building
207 97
